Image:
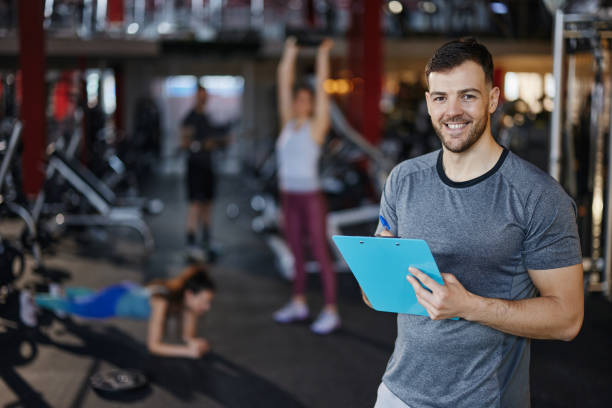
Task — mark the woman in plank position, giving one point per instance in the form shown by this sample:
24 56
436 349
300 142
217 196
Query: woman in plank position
188 295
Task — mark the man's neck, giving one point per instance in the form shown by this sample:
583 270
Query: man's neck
474 162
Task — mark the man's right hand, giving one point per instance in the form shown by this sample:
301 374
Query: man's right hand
385 233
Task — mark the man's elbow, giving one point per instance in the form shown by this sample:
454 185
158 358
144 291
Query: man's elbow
573 327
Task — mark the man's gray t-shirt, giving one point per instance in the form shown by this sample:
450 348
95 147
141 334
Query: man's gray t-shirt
487 232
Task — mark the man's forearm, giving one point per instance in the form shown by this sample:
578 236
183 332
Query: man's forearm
556 314
538 318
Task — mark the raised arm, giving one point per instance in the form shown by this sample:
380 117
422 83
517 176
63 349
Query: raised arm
286 77
321 110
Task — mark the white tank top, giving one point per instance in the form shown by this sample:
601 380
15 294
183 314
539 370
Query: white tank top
298 158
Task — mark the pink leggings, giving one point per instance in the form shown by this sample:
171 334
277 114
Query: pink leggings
304 217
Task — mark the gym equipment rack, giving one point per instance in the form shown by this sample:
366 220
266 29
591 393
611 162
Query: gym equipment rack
595 28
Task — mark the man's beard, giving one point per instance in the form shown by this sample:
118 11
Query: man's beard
475 133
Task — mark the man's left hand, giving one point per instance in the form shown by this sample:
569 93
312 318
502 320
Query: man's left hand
444 301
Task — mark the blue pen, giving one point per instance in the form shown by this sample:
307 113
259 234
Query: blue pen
384 223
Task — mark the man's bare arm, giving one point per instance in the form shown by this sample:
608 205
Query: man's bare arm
556 314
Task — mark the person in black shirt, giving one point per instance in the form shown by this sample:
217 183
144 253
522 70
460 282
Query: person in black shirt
199 138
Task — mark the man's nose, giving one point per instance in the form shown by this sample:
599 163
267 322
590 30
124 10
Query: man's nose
453 108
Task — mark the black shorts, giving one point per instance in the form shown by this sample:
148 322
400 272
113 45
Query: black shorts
200 180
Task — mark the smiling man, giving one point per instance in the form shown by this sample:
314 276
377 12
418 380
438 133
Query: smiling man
505 235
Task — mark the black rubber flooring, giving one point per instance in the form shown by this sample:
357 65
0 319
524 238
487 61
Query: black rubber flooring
254 362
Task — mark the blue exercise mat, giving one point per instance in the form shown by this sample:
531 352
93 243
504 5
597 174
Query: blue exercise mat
381 265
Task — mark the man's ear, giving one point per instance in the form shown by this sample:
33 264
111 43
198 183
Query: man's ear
428 100
493 99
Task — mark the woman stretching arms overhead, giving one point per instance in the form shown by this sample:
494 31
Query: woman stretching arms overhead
304 117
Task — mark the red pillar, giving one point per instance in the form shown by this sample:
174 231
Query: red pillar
115 11
32 109
365 62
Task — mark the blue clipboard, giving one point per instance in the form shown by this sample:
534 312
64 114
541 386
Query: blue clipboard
380 266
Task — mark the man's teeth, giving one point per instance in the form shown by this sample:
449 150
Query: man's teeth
455 125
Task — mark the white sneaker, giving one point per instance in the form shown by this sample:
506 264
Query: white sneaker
292 312
326 323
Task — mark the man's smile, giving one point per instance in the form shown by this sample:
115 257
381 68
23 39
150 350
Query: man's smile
456 126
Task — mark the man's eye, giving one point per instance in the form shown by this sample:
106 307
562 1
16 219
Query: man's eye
468 97
439 99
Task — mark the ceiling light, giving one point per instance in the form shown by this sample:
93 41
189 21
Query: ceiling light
498 7
428 7
133 28
395 7
164 27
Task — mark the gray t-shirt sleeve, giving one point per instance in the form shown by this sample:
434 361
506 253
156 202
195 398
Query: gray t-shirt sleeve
551 239
387 202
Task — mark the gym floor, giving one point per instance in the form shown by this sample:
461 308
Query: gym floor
254 361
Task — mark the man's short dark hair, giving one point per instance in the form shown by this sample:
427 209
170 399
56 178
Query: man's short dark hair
456 52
